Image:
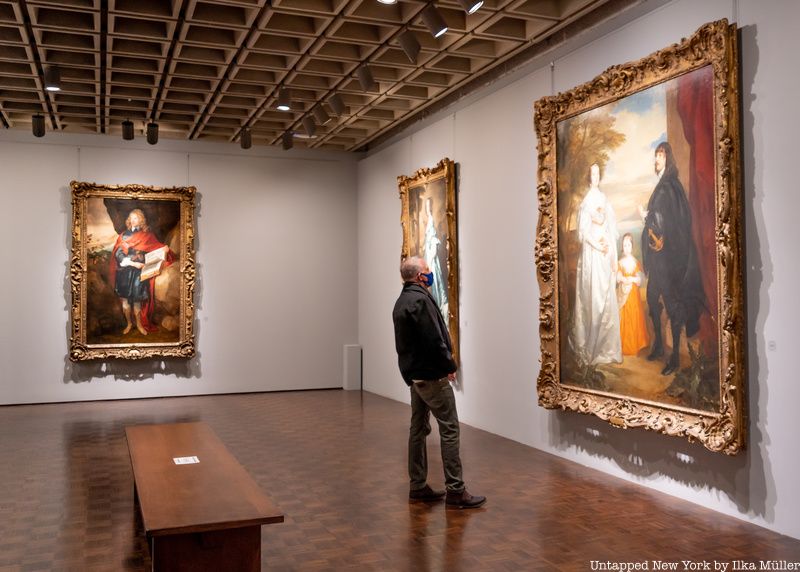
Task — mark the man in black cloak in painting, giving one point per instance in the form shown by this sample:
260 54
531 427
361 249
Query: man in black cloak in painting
670 260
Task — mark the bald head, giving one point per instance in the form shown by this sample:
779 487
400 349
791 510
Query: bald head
411 267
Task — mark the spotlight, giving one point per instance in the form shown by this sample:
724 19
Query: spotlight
152 133
337 105
309 126
365 78
288 141
52 79
321 115
246 138
410 44
37 125
284 99
434 21
127 130
471 6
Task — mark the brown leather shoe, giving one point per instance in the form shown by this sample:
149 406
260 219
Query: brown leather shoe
425 494
463 500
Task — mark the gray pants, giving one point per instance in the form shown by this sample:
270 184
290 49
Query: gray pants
435 396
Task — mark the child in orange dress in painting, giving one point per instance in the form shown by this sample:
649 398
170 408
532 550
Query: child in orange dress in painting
632 328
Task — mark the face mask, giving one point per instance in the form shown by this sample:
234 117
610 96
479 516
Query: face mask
428 278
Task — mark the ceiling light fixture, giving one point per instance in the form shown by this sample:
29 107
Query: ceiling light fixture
471 6
152 133
52 78
127 130
288 141
434 21
387 1
309 126
37 125
321 115
337 105
284 99
410 44
365 78
246 138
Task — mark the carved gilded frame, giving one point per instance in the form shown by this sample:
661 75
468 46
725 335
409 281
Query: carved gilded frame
723 430
443 172
182 199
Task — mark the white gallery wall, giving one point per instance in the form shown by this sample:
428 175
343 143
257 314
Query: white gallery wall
275 239
491 137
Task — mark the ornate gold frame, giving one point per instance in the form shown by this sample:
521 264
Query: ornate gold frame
444 169
79 348
724 430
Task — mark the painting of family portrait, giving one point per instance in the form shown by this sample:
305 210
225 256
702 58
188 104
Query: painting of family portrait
637 283
131 246
632 240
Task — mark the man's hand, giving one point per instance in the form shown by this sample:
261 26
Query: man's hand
451 376
125 262
655 242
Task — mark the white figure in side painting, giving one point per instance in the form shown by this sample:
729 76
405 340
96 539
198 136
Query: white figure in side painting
431 249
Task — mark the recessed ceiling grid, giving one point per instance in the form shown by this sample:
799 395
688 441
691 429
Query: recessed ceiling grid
206 69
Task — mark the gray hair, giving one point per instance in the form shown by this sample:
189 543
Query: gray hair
410 267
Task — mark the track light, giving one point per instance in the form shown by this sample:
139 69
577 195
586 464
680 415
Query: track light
52 78
246 138
321 115
37 125
127 130
337 105
365 78
410 44
288 140
152 133
471 6
309 126
284 99
434 21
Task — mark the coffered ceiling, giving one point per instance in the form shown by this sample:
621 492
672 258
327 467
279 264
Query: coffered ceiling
204 70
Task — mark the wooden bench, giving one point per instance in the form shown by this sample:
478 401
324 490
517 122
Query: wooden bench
204 515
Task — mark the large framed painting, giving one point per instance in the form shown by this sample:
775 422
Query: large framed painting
639 246
428 218
132 272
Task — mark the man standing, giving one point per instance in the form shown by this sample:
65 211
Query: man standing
425 356
670 260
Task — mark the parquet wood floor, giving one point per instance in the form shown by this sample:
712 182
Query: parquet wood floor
334 462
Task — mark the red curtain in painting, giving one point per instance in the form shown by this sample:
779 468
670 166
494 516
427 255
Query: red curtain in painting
696 109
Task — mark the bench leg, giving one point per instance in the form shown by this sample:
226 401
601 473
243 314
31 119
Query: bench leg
234 550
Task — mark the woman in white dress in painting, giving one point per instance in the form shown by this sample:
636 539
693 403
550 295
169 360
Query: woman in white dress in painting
432 242
595 333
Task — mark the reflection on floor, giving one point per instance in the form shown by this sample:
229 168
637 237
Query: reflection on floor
334 462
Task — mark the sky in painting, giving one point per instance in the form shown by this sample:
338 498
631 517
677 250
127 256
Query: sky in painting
99 226
629 177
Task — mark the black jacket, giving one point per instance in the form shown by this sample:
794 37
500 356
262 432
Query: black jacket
673 270
424 350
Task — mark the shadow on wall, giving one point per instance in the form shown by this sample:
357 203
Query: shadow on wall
128 370
746 478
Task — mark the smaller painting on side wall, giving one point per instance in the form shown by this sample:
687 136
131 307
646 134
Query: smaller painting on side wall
428 218
132 272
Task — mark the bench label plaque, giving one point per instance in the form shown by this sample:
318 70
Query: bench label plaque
185 460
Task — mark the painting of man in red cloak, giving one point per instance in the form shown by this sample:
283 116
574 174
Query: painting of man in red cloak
129 256
133 280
